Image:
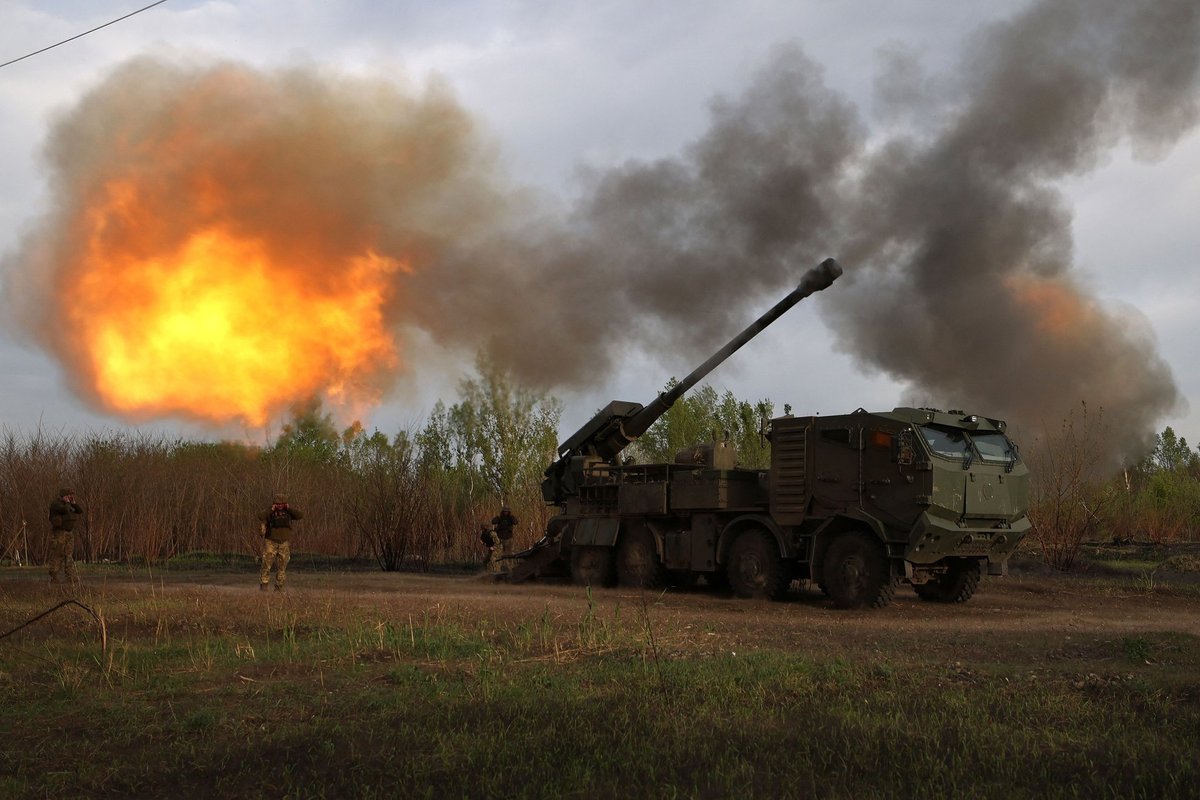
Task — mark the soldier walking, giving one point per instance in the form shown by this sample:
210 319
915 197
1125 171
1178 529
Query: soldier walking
503 523
277 547
63 513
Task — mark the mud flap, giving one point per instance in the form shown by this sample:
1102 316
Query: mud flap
531 562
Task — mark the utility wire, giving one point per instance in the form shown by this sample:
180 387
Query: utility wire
85 33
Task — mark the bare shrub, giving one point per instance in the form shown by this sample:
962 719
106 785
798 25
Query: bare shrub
1069 498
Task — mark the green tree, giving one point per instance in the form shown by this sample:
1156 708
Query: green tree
1171 453
310 435
508 432
704 415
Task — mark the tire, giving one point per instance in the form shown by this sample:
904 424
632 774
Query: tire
958 585
592 566
856 572
637 560
755 568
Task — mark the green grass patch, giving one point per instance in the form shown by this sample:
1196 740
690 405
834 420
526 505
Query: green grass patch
242 696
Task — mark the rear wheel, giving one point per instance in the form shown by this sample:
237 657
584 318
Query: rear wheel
856 572
592 566
755 568
956 586
637 560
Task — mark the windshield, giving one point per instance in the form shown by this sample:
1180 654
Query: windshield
946 442
994 447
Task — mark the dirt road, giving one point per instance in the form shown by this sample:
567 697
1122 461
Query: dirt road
1019 620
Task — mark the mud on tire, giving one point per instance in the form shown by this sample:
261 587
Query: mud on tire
637 560
755 568
958 585
856 572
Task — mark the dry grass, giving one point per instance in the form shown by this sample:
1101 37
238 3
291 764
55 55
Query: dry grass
367 685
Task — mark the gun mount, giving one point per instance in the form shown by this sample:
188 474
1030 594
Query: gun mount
619 423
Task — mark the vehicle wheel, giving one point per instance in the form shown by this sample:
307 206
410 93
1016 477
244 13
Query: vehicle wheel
856 572
637 560
755 568
592 566
956 586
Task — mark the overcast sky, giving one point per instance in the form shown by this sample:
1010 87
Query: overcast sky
566 87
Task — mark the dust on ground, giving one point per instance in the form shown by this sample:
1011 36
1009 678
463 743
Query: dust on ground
1019 620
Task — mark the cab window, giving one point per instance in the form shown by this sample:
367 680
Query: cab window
946 442
994 447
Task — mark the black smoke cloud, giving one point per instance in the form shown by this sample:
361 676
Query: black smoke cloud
953 228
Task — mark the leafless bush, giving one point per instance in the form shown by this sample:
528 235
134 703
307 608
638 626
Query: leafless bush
1069 498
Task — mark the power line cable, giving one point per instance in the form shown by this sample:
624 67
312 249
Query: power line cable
85 33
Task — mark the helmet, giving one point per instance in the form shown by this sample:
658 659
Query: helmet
280 498
65 492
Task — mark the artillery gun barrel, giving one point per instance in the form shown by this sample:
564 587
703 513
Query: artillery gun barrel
819 277
619 423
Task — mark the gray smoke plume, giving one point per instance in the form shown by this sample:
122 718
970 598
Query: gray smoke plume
965 243
954 233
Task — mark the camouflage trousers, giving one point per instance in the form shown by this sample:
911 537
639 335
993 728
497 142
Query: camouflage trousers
492 563
506 550
62 550
275 553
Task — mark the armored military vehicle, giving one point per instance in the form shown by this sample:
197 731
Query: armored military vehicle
857 503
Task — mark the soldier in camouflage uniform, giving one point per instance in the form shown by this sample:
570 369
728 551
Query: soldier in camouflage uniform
492 542
277 547
63 514
504 522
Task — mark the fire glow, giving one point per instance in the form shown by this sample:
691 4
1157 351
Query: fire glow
1058 311
226 242
220 331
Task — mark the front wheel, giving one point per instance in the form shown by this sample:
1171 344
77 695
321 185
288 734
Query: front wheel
856 572
957 585
755 568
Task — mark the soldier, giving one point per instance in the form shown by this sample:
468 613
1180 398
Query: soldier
277 531
63 513
504 522
491 541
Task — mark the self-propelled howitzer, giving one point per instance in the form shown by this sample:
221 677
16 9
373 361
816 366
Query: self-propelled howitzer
620 423
856 504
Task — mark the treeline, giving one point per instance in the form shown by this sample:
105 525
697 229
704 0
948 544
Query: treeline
412 498
1077 499
417 497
